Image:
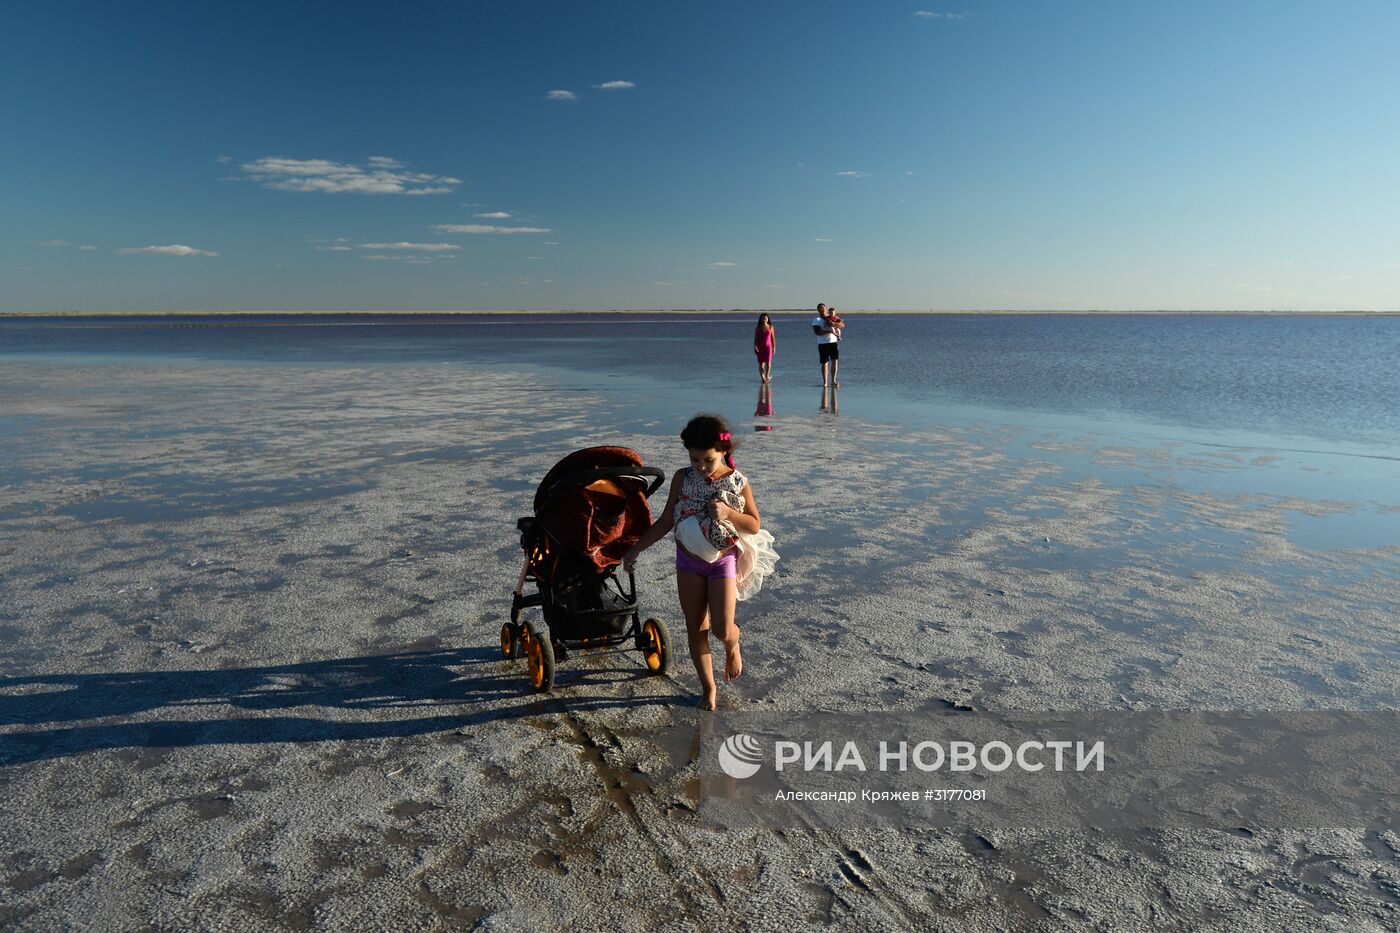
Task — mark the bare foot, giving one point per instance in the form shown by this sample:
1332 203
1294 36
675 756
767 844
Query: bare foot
708 699
733 661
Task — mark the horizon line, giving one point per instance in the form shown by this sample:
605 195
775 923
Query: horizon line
521 311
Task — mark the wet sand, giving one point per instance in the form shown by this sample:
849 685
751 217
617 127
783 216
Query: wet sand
251 675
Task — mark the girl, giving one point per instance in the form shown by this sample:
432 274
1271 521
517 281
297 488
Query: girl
836 322
722 553
764 343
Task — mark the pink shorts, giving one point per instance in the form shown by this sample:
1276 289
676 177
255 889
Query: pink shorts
723 569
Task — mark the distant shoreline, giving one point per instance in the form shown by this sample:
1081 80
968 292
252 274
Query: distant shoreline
724 311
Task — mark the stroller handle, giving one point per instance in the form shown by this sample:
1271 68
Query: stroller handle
584 477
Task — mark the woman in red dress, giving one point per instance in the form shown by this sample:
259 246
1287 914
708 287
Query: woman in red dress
764 343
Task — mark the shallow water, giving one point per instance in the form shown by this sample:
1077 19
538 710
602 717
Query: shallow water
1230 378
1276 406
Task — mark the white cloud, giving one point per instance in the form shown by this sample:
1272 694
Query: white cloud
853 174
493 215
418 247
551 242
822 239
775 286
487 228
87 249
382 175
930 14
561 95
723 265
409 260
614 85
335 249
173 250
52 243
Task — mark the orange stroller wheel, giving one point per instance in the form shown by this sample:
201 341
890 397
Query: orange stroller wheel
509 641
656 646
539 653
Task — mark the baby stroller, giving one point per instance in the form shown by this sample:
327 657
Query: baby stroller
590 509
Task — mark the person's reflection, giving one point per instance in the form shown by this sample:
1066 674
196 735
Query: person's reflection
719 785
765 401
829 399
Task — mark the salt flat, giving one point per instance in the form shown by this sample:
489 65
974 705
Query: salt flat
251 675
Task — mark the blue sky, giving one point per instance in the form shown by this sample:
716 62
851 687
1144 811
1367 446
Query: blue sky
1034 155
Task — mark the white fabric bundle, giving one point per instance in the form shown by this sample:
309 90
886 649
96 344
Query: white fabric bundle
755 560
692 538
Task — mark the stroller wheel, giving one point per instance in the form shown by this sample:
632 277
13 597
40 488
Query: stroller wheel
510 641
656 646
539 653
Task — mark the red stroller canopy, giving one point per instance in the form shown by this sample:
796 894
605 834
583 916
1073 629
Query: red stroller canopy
596 517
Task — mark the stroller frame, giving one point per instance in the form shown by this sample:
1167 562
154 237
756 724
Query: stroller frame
566 599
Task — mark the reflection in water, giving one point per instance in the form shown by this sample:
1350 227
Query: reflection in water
720 785
829 399
765 401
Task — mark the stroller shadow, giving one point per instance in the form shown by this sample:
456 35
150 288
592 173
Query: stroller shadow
426 680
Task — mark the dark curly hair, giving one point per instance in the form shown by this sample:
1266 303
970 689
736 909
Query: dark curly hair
710 432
